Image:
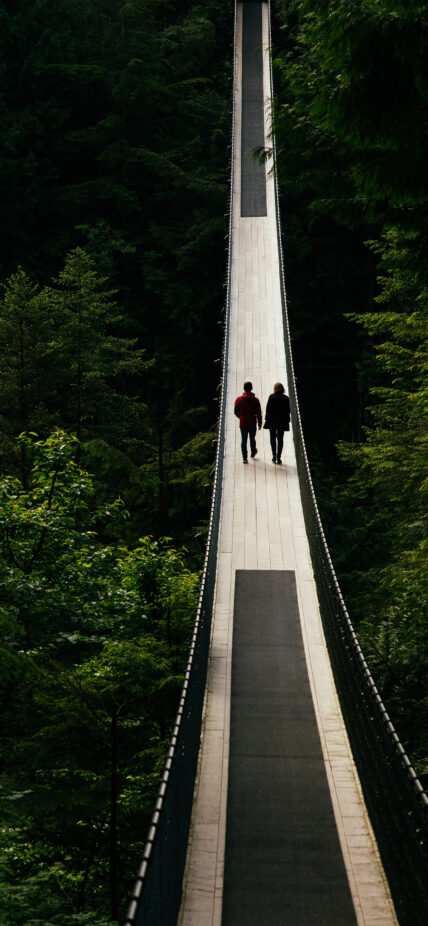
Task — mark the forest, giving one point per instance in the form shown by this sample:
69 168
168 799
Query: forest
115 159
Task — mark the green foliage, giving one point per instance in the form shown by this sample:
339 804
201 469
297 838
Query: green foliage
113 190
67 364
91 356
37 901
25 334
64 362
95 641
350 121
357 74
390 481
128 134
115 123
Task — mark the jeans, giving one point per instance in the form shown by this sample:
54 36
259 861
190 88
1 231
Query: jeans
276 441
245 434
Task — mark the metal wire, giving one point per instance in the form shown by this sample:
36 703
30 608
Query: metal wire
156 895
396 802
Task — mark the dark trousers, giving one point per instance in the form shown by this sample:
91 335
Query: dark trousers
276 441
245 434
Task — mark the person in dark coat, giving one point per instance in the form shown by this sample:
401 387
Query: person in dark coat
248 410
277 420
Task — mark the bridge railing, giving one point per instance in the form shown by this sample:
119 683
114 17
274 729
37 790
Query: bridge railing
156 896
395 799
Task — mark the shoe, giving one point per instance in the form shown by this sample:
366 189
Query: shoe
279 461
253 453
245 461
273 459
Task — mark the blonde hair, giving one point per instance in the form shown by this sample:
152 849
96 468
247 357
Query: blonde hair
278 387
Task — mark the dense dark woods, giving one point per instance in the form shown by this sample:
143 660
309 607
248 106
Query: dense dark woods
115 127
352 132
114 163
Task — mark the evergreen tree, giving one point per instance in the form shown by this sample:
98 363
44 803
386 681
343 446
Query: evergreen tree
66 363
91 359
351 131
390 484
25 332
94 644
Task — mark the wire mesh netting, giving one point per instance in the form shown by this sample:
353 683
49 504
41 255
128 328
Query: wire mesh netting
157 890
396 802
395 799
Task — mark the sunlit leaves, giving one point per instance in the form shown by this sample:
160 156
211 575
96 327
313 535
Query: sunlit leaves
94 644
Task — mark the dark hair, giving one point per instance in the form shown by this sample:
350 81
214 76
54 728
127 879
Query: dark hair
248 386
278 387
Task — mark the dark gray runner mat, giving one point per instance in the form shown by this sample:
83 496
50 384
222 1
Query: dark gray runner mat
283 862
253 178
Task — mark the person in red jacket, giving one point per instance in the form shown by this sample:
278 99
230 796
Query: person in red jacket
248 410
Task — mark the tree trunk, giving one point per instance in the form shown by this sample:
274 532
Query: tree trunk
88 866
162 493
79 383
113 820
23 405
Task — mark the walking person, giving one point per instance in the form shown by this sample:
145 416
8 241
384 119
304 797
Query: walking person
277 420
248 410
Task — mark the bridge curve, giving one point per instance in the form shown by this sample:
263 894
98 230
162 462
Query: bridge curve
279 830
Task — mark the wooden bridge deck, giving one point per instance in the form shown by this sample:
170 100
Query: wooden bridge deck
262 529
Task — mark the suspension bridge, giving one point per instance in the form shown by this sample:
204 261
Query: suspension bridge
286 797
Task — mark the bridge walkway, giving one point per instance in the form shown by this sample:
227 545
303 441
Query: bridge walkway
279 831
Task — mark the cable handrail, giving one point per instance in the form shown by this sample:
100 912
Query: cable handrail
367 721
156 895
396 800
